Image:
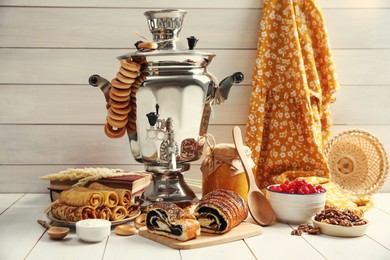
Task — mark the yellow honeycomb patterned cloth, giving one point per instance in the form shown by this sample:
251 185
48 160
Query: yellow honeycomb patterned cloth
293 85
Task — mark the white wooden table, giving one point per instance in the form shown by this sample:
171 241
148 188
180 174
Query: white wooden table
22 238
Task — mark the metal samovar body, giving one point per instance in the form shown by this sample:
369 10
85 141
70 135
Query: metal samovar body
173 107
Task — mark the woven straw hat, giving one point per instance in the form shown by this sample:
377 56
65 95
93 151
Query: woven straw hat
358 162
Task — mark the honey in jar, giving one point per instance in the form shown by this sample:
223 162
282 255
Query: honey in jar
222 169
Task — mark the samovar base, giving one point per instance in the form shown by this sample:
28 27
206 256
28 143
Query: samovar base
169 186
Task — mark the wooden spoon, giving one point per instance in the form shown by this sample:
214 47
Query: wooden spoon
259 206
55 232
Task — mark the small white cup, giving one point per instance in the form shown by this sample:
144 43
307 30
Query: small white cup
93 230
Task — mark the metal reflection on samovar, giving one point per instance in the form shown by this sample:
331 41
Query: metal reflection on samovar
173 107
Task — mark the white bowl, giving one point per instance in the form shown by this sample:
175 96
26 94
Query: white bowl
295 208
93 230
340 231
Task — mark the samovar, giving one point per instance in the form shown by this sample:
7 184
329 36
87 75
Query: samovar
173 107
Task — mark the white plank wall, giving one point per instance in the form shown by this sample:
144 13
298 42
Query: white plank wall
51 119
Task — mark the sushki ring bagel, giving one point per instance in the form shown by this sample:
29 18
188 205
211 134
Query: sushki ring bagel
118 98
118 104
124 79
128 73
130 65
120 85
140 45
114 133
140 221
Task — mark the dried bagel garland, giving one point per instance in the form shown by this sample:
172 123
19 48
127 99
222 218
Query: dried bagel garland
122 105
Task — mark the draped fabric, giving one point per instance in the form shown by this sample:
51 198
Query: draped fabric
293 85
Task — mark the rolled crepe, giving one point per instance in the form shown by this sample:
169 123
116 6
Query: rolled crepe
104 213
110 197
131 208
80 196
69 213
118 213
124 195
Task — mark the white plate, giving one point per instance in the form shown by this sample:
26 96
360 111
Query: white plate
135 214
341 231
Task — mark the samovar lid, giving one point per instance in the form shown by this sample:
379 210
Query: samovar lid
165 26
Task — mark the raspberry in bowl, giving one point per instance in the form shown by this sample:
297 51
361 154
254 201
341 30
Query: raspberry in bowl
297 201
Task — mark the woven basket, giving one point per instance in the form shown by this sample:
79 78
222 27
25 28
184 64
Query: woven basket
358 162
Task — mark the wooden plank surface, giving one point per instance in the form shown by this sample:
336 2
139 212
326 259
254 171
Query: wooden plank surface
154 4
7 200
222 251
83 104
50 48
188 4
27 156
87 144
338 247
68 248
378 223
19 231
381 202
137 247
244 230
277 243
82 28
18 227
56 66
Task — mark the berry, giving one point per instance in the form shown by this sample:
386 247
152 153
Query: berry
319 189
298 186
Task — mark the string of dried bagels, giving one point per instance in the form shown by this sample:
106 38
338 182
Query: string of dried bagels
122 105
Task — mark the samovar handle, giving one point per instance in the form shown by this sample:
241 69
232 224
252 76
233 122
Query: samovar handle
102 83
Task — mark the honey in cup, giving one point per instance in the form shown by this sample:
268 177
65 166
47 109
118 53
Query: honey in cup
222 169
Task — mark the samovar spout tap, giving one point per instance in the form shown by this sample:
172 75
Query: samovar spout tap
226 84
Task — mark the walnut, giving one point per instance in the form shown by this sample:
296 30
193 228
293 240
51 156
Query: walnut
296 232
304 227
338 217
359 222
314 231
346 223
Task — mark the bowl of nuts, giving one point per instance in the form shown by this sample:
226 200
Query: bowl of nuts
297 201
334 222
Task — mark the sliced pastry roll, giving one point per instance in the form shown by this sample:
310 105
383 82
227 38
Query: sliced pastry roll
221 210
168 219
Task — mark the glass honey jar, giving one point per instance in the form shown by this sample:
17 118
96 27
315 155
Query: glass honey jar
222 169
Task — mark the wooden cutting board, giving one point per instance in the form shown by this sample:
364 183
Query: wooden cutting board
244 230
